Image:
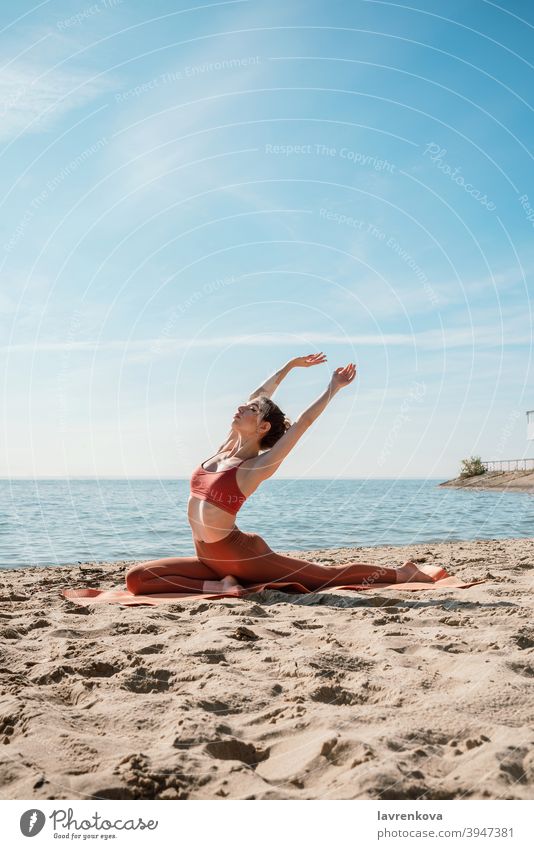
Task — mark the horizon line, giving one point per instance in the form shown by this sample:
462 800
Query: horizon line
96 478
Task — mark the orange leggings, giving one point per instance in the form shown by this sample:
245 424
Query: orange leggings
248 558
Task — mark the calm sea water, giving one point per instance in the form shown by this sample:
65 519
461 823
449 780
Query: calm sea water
59 522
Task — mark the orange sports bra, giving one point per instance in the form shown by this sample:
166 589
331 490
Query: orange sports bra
219 488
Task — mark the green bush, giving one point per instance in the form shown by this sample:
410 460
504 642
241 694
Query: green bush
471 467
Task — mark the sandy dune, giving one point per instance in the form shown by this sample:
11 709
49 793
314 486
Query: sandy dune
335 695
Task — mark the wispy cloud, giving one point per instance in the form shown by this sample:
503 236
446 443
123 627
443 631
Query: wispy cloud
145 350
33 98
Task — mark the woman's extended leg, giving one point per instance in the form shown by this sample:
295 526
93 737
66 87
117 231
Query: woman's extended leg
266 565
315 576
170 575
249 558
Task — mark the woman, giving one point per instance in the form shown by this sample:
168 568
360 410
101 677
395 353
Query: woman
229 559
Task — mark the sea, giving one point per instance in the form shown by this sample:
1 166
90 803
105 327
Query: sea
70 521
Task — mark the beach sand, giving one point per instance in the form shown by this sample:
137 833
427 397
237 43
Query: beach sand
332 695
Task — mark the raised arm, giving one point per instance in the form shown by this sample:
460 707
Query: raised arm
268 462
270 385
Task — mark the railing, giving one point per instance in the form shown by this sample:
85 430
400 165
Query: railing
508 465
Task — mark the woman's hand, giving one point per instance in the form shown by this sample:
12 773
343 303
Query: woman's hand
309 360
343 376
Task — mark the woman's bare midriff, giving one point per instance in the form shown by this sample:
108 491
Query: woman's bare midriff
208 522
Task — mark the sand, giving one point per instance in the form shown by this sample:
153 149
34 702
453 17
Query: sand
332 695
518 481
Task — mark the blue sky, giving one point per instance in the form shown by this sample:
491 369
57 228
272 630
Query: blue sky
194 193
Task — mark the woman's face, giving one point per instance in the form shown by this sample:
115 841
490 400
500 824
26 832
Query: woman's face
248 420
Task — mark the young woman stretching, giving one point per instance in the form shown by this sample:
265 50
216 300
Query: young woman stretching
228 559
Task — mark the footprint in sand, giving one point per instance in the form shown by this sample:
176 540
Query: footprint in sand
296 757
218 707
512 764
72 609
336 696
236 750
381 783
153 648
523 668
405 649
427 736
13 633
210 655
139 628
12 595
53 676
187 742
98 669
452 648
330 663
524 638
244 634
12 720
304 625
395 745
147 680
39 623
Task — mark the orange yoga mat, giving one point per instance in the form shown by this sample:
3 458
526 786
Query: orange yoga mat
119 595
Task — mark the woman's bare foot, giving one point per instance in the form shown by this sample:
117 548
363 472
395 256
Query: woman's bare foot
230 583
410 572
